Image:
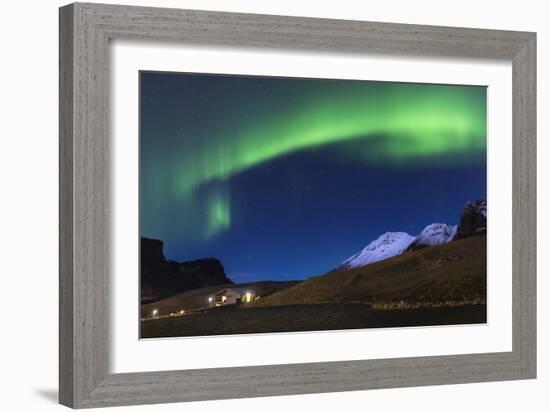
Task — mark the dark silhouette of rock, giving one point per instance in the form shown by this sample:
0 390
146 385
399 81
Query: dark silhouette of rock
152 256
161 278
201 272
473 221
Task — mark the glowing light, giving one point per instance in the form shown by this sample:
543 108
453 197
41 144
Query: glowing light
415 120
393 122
155 312
219 214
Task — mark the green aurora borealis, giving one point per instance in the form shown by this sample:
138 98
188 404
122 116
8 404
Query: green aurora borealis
416 120
219 129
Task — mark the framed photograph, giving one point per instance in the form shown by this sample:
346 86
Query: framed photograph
340 205
256 192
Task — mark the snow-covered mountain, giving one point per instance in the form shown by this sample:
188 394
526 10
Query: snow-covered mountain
388 245
473 222
434 234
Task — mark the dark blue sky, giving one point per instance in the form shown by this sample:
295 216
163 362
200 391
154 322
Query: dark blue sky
216 179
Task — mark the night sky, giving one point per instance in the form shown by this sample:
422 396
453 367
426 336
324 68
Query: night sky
284 178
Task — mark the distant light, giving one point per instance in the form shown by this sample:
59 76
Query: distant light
182 312
248 297
155 311
210 299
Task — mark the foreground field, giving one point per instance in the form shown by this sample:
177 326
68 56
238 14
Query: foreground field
296 318
198 299
443 284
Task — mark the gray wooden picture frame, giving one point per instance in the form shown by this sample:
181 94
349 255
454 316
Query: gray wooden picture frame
85 31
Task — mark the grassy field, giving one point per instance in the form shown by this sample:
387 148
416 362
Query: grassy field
452 274
295 318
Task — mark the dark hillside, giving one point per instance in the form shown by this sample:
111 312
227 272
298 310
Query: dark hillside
451 274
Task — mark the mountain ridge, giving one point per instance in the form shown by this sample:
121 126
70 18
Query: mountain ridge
473 222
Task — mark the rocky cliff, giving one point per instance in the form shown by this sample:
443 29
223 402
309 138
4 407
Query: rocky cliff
161 278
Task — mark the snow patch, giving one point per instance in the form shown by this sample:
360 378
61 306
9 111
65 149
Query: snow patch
436 234
386 246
